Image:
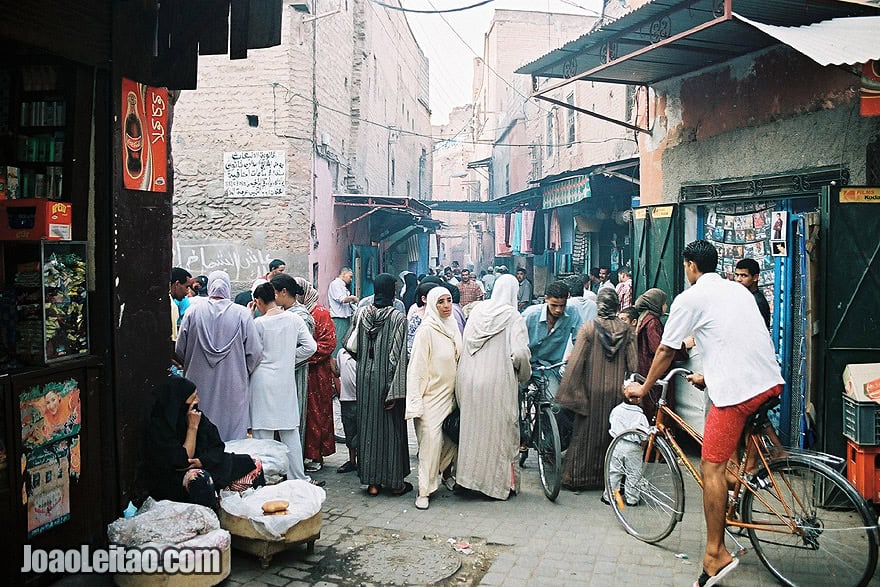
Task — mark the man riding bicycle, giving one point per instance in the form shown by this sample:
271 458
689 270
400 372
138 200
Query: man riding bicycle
552 328
740 371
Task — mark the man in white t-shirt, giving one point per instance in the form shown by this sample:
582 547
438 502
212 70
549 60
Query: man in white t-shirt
740 372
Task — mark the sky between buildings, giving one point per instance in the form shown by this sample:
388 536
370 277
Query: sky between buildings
451 59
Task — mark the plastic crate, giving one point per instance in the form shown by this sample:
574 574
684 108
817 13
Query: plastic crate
861 421
863 470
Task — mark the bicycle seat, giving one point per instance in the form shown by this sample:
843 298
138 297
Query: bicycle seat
759 419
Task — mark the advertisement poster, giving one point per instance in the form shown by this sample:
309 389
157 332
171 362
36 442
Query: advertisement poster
47 486
255 174
144 137
49 412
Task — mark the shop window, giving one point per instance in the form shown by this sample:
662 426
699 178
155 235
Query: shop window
572 120
551 134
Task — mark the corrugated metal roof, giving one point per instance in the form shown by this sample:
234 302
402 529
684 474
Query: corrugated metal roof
668 38
832 42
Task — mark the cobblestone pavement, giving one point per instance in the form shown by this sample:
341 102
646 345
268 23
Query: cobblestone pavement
526 540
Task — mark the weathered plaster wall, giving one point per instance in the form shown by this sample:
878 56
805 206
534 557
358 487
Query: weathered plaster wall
773 112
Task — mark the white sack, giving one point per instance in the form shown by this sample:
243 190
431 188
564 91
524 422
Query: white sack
305 501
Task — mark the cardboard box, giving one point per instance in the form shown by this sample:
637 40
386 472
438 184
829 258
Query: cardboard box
35 219
861 381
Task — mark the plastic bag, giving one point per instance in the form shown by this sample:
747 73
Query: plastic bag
163 522
272 453
305 501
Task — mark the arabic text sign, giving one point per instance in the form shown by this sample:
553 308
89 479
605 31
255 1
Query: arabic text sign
254 174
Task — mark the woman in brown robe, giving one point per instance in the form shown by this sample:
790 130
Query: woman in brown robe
592 385
649 332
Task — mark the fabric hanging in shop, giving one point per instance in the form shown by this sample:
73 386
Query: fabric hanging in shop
516 239
539 234
566 230
413 248
528 223
502 249
508 228
554 240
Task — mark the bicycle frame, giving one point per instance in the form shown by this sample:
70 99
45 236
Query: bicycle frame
753 448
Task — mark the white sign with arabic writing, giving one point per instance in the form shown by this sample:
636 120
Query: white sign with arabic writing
255 174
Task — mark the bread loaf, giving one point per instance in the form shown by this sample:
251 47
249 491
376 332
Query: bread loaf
276 506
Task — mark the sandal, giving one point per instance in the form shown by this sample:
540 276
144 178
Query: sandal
314 466
317 483
407 487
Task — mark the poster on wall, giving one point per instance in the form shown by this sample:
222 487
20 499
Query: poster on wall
144 137
47 487
255 174
49 412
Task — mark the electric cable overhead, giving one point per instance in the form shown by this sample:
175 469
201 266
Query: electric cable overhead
435 11
403 131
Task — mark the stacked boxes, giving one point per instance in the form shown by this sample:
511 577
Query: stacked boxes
861 426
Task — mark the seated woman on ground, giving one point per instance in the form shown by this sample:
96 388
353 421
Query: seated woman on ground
186 459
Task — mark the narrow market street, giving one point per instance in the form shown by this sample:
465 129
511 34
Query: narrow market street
526 540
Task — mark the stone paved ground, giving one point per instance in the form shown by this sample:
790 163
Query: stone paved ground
526 540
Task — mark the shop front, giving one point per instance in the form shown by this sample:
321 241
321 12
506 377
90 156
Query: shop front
85 244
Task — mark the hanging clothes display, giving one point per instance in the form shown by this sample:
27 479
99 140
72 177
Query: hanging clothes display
502 249
539 232
554 240
528 223
516 239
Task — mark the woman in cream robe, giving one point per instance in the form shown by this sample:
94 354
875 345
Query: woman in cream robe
495 360
430 389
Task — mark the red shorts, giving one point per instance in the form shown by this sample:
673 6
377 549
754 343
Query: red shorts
724 426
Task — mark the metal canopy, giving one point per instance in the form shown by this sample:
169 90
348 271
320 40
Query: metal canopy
410 209
529 198
668 38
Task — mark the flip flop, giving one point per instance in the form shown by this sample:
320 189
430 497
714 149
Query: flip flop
707 580
407 487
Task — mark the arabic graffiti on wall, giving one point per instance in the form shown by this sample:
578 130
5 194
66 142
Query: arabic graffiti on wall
241 262
254 174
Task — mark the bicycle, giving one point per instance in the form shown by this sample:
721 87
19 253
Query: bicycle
806 522
539 430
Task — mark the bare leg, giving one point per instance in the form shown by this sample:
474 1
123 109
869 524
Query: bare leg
714 506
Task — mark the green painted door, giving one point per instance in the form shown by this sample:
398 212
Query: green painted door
657 259
850 299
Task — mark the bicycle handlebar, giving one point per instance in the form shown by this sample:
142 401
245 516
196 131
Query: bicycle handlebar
548 367
638 377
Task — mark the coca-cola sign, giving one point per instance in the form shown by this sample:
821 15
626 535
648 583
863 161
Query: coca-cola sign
144 137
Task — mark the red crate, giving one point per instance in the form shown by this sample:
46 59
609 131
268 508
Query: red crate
863 469
35 219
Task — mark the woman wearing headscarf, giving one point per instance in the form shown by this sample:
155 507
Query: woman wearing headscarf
605 352
651 305
457 312
417 313
320 441
408 292
219 347
430 389
287 293
379 345
494 361
185 455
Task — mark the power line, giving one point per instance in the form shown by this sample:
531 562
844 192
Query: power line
403 131
435 11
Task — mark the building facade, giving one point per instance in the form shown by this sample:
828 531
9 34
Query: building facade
341 108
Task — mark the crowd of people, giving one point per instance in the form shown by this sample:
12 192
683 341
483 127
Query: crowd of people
450 350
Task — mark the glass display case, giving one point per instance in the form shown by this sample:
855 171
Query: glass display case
51 302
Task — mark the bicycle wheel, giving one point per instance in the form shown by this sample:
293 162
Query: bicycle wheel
644 488
834 541
549 452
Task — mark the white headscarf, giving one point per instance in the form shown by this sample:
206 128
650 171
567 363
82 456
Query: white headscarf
492 316
445 326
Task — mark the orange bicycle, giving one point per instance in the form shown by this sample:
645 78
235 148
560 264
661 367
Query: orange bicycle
806 522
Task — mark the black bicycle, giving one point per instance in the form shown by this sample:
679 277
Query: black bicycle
539 430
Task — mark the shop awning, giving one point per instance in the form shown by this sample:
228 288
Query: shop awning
668 38
529 198
573 186
400 208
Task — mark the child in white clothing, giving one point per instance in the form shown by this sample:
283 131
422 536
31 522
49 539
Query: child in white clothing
627 458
